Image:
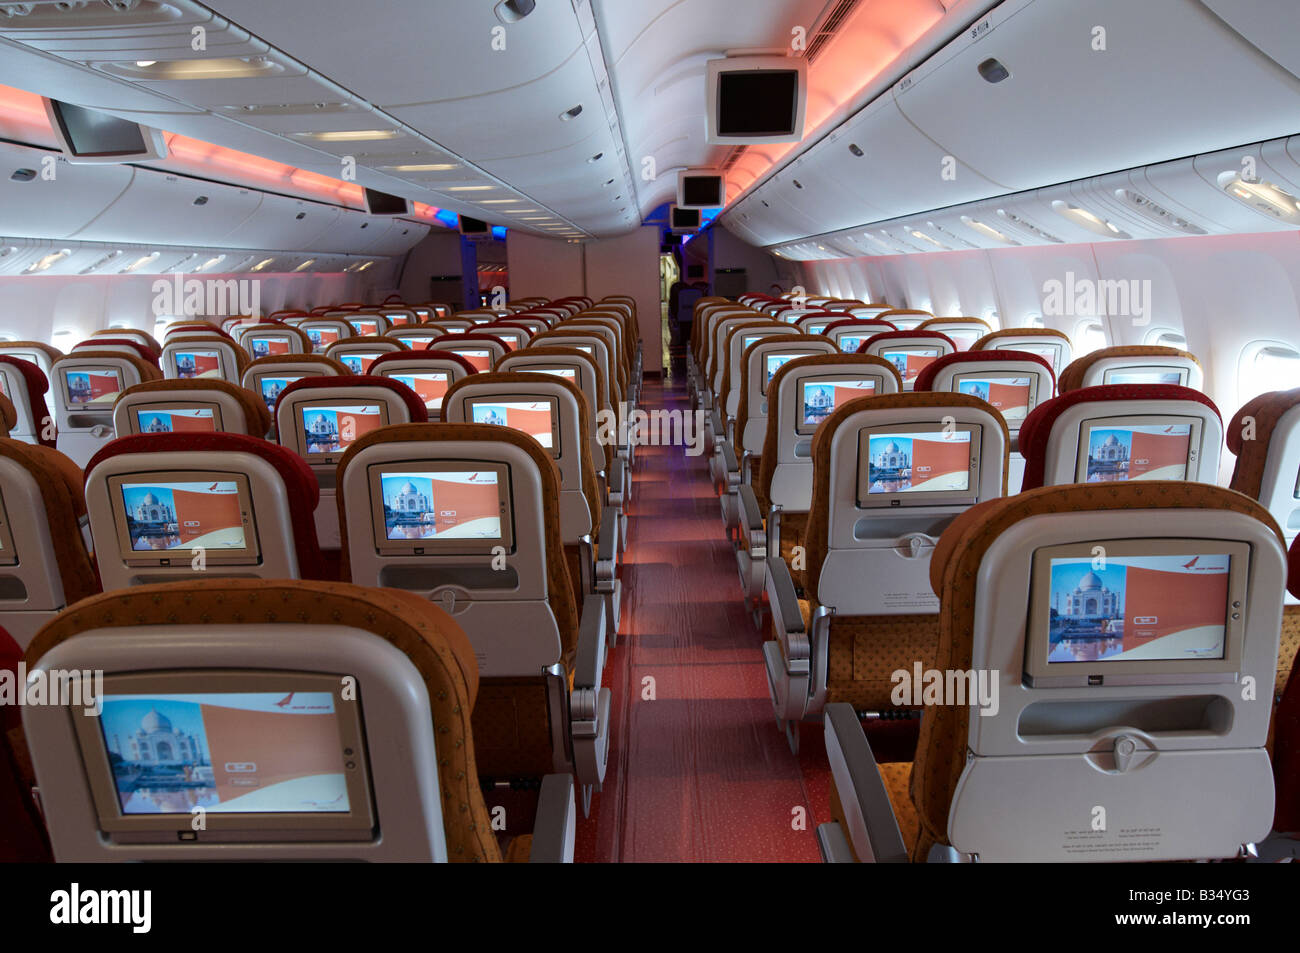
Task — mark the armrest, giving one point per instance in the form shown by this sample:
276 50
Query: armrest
590 660
869 823
616 481
747 468
555 829
751 521
774 528
607 550
729 458
719 428
786 618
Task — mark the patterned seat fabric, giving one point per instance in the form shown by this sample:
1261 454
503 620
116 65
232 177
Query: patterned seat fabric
954 569
427 636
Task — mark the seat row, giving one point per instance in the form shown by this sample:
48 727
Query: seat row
840 478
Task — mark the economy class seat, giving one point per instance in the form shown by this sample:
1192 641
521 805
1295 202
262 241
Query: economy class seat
555 412
416 338
196 405
358 353
25 386
1121 432
872 529
773 505
1051 345
849 334
909 351
1022 783
196 354
870 309
715 359
174 506
428 373
746 395
22 835
481 350
1265 436
318 418
399 316
611 395
266 340
129 334
534 326
1132 364
963 331
451 325
325 665
513 335
498 566
86 383
1012 382
8 416
45 561
366 323
817 322
269 376
116 345
608 328
323 332
35 352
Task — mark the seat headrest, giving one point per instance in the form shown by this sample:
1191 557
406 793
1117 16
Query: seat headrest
8 415
60 485
257 417
273 360
1072 377
37 382
143 350
433 641
1036 428
301 488
415 407
925 379
885 337
865 324
412 357
146 370
990 340
53 353
1264 410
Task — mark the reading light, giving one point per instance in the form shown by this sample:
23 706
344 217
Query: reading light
573 113
469 188
1092 222
348 135
305 265
139 263
221 67
993 71
262 264
420 167
145 64
1262 196
47 261
218 259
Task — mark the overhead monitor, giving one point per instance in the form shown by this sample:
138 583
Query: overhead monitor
755 99
89 136
161 517
539 417
923 464
1012 395
328 426
91 387
198 362
910 360
820 396
684 220
459 507
382 203
429 386
701 188
1145 375
1136 611
264 756
473 227
1138 447
178 417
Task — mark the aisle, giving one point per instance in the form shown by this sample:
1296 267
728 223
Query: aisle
699 773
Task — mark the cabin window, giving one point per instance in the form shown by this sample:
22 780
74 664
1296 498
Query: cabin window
1088 336
1166 337
1266 366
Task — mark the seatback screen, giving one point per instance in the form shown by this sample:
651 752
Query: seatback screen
849 343
1145 375
272 387
365 328
191 364
431 386
820 398
322 338
1138 452
229 752
416 343
911 361
441 505
198 420
333 428
184 515
479 360
92 387
264 346
1010 395
1138 607
919 462
537 418
773 363
358 363
568 373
